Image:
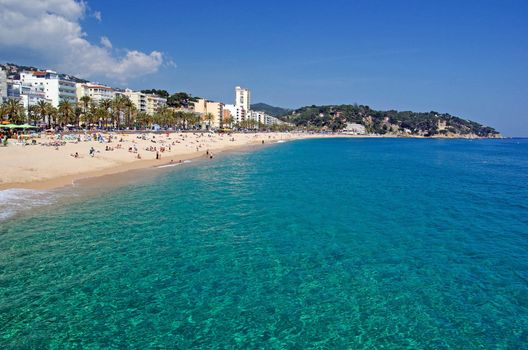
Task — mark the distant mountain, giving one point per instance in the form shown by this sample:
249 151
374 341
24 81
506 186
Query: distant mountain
271 110
394 123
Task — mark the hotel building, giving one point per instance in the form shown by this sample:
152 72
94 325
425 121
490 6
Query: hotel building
55 88
203 107
243 98
154 102
96 92
139 99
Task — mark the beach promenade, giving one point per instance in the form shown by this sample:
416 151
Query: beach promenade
51 161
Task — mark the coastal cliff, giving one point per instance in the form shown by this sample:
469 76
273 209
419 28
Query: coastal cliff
397 123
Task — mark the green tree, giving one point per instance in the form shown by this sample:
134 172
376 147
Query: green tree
66 113
15 111
208 117
104 112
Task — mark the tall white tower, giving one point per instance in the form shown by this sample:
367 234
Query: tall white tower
243 98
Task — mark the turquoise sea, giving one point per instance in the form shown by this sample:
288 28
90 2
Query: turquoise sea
314 244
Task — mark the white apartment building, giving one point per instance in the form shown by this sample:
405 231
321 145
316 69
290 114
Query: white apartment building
238 114
355 129
264 119
203 107
3 85
13 89
27 94
55 88
96 92
243 98
32 95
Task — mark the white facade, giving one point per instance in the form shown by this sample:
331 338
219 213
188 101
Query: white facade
243 98
32 95
238 114
55 89
356 129
13 89
3 85
264 119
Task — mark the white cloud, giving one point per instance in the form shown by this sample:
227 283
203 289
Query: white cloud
106 42
51 30
97 15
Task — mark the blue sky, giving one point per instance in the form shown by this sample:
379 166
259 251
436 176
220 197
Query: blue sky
467 58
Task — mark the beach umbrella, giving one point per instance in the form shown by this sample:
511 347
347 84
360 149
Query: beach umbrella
8 126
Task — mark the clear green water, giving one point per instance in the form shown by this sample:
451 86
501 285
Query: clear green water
327 244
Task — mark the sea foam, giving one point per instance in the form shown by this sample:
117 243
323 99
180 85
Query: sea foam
16 200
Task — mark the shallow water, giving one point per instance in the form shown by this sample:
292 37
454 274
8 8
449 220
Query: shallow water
337 243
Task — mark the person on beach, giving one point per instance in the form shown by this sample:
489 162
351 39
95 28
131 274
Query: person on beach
92 152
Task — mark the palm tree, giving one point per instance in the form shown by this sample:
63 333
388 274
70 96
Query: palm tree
89 117
130 110
66 112
15 111
3 111
164 116
104 111
33 114
144 120
227 121
85 103
209 118
52 114
118 105
41 108
178 117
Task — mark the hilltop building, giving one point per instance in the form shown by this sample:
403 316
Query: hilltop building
355 129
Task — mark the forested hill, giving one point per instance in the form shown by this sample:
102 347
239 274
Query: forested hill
336 117
271 110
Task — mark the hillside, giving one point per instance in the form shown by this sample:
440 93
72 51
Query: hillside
336 117
13 71
271 110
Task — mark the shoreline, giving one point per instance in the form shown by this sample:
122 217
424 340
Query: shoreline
66 180
119 167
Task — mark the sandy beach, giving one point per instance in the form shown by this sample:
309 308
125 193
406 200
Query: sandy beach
56 162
